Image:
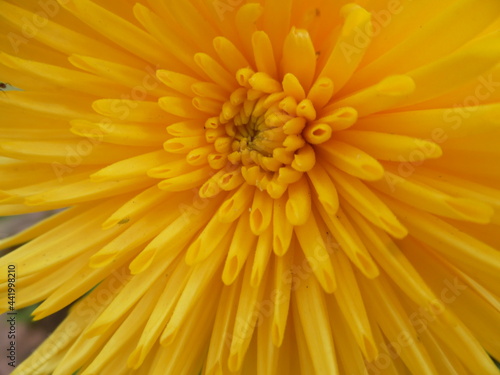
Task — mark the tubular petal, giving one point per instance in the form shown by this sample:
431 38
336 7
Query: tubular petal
299 56
438 124
118 340
216 72
230 55
444 43
321 92
481 260
386 94
478 57
245 319
131 110
221 336
313 316
169 37
352 160
120 31
186 181
263 53
283 286
199 280
143 82
392 147
367 203
348 52
70 40
239 250
120 134
298 206
41 227
129 168
178 233
177 81
435 273
350 301
350 357
433 201
347 237
207 241
316 255
325 189
263 252
277 22
159 315
71 79
382 301
397 267
177 106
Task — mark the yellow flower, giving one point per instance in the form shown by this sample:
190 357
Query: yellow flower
255 187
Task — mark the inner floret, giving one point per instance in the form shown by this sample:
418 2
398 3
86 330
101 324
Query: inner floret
263 134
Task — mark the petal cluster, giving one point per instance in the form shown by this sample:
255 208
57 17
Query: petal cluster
265 187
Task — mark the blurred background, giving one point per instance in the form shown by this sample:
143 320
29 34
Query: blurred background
28 334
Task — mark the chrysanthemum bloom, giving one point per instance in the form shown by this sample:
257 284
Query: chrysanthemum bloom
255 187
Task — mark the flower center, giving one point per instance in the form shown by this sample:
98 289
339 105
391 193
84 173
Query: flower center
266 128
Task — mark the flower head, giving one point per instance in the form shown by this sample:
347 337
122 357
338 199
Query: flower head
266 187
